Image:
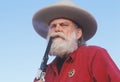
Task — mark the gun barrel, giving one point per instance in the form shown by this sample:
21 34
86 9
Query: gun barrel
45 58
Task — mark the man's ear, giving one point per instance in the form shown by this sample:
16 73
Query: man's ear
79 33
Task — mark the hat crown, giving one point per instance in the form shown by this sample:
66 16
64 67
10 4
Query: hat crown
65 2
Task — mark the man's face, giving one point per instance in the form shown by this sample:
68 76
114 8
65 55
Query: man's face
62 25
65 34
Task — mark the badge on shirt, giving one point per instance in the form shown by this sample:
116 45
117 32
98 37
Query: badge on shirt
71 72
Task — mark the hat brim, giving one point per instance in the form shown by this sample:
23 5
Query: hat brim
42 18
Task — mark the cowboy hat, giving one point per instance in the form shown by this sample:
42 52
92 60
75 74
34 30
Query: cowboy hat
67 10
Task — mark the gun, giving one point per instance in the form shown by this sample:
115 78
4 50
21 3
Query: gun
42 70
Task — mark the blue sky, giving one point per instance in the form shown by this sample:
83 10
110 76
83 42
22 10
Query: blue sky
21 48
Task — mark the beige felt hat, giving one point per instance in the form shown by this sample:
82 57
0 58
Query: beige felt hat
64 9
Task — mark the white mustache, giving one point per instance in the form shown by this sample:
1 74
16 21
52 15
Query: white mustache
58 34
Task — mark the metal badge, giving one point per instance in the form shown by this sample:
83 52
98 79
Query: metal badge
71 72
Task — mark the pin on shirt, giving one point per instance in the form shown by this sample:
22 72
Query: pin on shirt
71 72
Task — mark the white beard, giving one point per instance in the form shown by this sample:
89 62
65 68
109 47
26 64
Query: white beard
63 46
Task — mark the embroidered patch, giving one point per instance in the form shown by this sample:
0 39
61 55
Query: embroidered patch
71 72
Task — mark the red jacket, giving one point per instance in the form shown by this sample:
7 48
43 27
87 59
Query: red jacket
86 64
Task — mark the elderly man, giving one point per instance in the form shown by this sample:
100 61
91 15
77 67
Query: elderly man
70 27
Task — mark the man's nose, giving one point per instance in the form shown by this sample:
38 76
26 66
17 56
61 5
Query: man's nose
58 28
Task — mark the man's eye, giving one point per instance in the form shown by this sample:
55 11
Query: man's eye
52 26
64 24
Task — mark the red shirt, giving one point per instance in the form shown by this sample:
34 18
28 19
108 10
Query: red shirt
86 64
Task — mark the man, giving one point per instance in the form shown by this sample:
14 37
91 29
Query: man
70 27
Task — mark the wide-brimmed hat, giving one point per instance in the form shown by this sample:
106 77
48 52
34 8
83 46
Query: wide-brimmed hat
67 10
